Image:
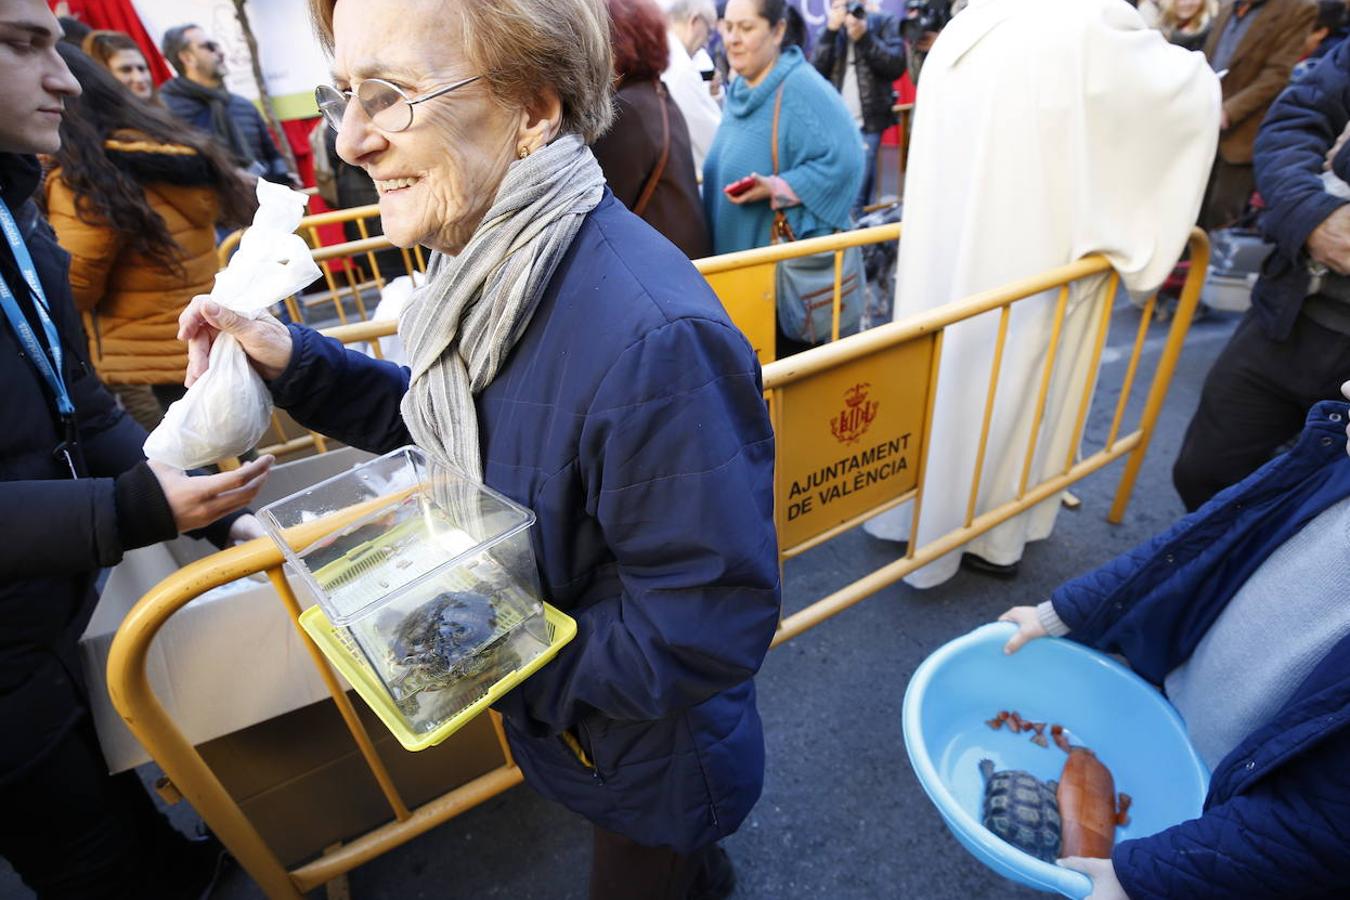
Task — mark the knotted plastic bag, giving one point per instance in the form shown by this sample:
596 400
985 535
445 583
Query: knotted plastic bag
227 410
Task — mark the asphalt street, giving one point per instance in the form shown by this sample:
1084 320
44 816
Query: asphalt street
842 816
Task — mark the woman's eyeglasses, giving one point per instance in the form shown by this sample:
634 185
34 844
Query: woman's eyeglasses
386 105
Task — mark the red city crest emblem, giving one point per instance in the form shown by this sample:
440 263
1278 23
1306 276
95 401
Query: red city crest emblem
857 414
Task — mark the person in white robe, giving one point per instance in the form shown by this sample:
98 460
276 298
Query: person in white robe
1045 130
690 24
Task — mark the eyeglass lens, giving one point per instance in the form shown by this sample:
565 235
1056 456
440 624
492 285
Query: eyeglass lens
387 109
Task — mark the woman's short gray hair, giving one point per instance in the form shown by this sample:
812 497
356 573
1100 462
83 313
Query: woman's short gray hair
519 45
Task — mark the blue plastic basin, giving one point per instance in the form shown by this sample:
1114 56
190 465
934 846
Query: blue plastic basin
1105 706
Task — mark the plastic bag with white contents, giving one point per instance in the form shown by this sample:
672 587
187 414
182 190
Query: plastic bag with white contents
227 410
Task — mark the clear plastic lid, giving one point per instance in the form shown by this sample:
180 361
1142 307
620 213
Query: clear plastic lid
363 538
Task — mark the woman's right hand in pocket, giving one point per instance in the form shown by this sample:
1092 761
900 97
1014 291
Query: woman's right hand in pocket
265 340
1028 624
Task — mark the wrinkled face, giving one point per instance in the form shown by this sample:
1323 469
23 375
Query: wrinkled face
203 58
438 178
129 67
34 80
1186 9
752 44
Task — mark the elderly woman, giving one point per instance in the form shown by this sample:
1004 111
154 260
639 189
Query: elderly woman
645 155
574 360
819 165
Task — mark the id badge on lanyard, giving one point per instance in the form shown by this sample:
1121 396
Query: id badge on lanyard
49 367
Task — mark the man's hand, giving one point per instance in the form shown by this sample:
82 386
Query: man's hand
199 500
1329 243
1336 147
1028 627
1223 120
855 27
834 19
1105 886
265 340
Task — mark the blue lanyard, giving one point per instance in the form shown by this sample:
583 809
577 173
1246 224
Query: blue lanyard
19 321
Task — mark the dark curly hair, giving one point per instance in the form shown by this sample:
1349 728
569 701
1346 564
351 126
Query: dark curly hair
110 193
637 29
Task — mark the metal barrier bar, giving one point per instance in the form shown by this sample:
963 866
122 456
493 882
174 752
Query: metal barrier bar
931 407
1127 386
1038 418
1080 422
994 369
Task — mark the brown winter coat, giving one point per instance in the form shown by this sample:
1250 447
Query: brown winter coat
131 304
1260 68
629 153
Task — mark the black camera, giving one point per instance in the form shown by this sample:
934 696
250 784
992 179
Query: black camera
857 10
922 16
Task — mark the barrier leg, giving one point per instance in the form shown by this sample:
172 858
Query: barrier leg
1162 380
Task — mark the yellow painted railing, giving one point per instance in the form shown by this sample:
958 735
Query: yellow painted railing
869 359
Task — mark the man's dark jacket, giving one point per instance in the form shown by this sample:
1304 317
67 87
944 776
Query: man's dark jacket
1291 148
57 531
252 129
630 418
879 57
1277 818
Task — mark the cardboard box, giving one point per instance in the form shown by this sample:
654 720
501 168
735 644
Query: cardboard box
229 659
302 782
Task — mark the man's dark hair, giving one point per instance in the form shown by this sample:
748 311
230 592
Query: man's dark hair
1330 15
74 29
175 42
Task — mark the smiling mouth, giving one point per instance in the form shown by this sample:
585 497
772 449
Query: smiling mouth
392 185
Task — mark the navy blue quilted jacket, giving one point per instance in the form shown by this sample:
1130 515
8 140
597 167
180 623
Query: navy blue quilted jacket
1277 818
269 163
1290 150
630 418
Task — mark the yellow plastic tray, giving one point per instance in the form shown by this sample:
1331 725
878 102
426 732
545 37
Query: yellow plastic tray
343 653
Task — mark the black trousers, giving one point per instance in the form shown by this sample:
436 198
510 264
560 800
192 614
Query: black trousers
73 831
622 869
1255 399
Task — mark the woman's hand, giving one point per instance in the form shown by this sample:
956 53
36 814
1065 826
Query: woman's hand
761 190
265 340
1105 886
1028 624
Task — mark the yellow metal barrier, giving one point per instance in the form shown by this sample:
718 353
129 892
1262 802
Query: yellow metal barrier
897 366
853 376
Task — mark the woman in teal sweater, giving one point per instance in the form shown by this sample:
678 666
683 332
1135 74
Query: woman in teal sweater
820 154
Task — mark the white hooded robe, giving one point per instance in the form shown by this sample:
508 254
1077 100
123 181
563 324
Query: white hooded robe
1045 130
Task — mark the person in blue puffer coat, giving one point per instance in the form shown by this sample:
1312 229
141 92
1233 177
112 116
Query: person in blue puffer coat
570 357
1240 613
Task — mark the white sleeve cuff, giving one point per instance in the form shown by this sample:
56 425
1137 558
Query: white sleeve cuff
1050 620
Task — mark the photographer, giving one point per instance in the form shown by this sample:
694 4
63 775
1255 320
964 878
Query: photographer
861 53
923 20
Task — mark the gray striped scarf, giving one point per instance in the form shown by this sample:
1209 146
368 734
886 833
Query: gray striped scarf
460 327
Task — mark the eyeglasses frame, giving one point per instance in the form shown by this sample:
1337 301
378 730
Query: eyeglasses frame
349 94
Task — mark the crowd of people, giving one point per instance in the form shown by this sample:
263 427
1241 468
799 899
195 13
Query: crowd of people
525 144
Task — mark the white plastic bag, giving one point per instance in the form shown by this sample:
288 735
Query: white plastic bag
227 410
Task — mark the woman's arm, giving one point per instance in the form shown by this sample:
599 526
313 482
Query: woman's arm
677 464
342 393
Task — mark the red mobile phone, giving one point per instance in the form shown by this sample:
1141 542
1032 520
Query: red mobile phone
736 188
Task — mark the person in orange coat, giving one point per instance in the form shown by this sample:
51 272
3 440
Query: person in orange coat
134 196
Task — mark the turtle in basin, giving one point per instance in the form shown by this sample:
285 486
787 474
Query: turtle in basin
1022 810
436 645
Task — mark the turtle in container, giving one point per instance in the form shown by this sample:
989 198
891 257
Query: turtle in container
1022 810
440 643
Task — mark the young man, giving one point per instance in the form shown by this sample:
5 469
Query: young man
77 493
198 97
